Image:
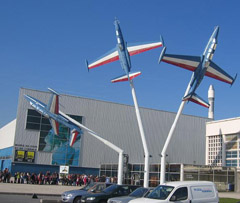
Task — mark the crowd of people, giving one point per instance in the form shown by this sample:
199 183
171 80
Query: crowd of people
52 178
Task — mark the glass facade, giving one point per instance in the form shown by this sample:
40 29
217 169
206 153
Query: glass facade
221 176
231 154
227 151
232 150
58 145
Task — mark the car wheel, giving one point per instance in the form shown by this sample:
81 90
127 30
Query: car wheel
77 200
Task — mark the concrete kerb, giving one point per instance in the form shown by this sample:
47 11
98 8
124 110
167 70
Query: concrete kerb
49 201
30 194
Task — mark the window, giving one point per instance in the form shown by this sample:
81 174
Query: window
231 145
33 126
231 154
180 194
231 138
136 167
154 168
215 150
161 192
231 163
123 191
139 192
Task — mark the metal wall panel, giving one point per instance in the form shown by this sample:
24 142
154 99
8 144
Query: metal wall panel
118 124
43 158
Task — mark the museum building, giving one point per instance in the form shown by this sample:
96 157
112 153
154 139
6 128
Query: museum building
29 140
29 144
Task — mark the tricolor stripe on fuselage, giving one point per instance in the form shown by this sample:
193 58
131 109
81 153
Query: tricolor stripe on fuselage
74 134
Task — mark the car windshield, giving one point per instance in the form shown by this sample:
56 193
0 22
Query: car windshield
98 187
88 186
110 189
160 192
139 192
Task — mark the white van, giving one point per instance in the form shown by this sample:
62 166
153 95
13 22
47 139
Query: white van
182 192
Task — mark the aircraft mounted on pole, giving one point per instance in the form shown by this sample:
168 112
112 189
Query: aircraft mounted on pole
51 111
201 66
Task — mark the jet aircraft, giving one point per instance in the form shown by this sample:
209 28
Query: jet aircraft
51 111
201 66
122 52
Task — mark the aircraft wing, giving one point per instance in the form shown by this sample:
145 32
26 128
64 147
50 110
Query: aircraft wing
183 61
214 71
132 49
107 58
192 62
139 48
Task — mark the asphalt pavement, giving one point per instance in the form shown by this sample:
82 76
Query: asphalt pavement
28 189
33 193
57 190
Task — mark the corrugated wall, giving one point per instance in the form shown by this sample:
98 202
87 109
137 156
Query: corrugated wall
118 124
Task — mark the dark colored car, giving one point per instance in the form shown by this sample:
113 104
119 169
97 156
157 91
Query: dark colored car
74 196
111 191
139 192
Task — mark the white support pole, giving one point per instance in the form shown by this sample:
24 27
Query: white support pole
145 148
163 154
120 168
182 172
111 145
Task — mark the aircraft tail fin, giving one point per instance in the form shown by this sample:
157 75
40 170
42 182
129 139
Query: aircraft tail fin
123 78
163 50
234 79
193 97
73 138
55 126
53 104
86 61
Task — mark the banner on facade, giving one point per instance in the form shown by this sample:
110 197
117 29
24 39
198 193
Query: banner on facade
24 156
64 169
19 155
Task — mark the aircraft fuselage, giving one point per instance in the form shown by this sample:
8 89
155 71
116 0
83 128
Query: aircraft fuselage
122 49
207 55
42 109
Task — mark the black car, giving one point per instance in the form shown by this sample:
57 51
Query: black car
111 191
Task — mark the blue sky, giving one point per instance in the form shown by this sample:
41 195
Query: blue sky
45 44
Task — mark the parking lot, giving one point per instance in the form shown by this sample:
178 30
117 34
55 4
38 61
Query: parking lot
53 192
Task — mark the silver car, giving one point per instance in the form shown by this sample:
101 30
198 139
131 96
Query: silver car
139 192
74 196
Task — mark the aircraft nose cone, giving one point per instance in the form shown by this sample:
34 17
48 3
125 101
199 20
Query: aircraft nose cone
216 31
116 23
